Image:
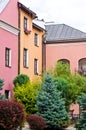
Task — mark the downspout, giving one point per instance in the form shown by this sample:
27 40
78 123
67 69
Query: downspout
44 52
19 40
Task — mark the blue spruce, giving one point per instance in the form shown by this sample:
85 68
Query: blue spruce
50 105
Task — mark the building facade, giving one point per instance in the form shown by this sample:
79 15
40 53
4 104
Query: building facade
22 50
8 45
30 46
67 44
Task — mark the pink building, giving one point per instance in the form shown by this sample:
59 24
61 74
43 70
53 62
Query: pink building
66 44
8 44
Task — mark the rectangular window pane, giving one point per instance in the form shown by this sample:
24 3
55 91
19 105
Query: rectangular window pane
36 39
36 66
8 57
7 94
25 57
25 23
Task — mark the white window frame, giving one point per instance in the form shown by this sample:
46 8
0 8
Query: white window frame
8 57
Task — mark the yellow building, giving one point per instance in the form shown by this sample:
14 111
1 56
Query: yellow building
30 43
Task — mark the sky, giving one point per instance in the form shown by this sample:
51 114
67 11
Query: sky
70 12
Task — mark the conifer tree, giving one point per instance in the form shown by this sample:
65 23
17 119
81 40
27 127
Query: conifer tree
50 105
1 87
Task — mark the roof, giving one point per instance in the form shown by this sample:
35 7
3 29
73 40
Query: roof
62 33
27 10
38 27
40 24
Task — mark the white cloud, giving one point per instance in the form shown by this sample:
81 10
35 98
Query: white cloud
71 12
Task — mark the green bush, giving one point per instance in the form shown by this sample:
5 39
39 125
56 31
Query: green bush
11 115
36 122
81 125
71 85
51 106
26 94
21 80
2 97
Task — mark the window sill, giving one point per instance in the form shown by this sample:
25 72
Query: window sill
36 74
26 67
8 66
37 45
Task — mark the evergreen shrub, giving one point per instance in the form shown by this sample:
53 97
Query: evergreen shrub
36 122
21 80
51 106
11 115
2 97
81 125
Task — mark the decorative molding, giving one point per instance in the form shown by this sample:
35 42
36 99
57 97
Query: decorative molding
9 27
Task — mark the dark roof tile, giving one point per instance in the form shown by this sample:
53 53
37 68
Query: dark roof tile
56 32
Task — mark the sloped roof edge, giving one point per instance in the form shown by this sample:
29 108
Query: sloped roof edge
38 27
27 10
63 32
66 41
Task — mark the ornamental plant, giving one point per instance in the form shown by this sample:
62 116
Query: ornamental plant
69 84
27 31
2 97
11 115
26 92
36 122
51 106
21 80
81 125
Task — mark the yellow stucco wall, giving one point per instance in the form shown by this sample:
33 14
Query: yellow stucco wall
27 41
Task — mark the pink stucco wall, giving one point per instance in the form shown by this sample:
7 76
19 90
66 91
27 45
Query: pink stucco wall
10 13
8 40
75 107
70 51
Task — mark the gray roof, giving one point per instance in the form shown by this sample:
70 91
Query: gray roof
62 32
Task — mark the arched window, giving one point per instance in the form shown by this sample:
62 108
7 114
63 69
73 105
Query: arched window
82 66
64 61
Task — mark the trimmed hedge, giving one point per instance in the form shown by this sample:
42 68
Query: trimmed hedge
36 122
11 115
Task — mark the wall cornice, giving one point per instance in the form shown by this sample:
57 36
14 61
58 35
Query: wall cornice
9 27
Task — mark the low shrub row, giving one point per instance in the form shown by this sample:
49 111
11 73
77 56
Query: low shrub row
36 122
12 116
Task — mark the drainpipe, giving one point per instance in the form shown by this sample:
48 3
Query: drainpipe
19 41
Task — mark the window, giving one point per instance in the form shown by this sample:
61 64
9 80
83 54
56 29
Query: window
7 94
36 66
36 39
8 57
25 23
25 58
